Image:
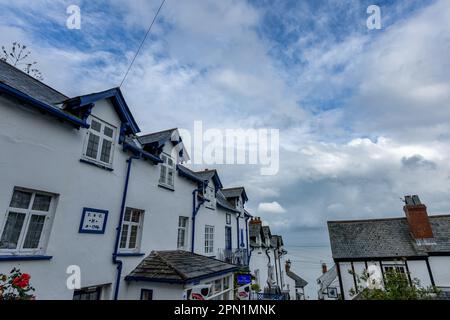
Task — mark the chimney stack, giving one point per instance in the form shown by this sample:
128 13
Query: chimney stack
417 217
324 268
256 220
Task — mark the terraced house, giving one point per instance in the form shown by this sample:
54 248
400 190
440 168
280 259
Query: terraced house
417 245
82 189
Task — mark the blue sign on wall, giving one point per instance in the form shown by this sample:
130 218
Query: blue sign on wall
244 279
93 221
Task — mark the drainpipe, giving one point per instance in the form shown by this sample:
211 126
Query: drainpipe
119 229
237 224
195 209
275 257
246 235
281 272
268 263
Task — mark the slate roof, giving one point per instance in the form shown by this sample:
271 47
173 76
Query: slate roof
156 136
299 282
385 238
235 192
23 82
276 241
327 278
178 267
206 174
223 202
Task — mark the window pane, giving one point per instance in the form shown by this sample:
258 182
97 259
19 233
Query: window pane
147 295
41 202
170 162
226 283
127 215
20 199
108 132
170 177
92 147
218 286
96 126
181 237
133 237
12 230
124 236
162 178
136 216
34 232
106 151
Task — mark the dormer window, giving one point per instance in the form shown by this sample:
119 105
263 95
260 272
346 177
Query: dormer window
166 178
99 143
239 203
210 196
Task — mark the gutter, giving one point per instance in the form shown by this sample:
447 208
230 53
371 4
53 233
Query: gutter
141 153
119 229
43 106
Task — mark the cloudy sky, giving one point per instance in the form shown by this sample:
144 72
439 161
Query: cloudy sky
363 114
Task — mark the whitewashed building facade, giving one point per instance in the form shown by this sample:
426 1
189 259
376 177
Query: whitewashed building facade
417 245
80 187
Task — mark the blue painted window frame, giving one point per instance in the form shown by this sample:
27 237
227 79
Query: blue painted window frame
81 230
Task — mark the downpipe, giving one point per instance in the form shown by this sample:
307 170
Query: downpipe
116 261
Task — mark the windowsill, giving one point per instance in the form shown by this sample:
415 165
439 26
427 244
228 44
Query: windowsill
96 164
164 186
24 257
130 254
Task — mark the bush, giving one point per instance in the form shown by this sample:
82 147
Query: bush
396 286
16 286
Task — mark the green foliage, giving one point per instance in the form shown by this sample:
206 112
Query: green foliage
396 286
16 286
255 287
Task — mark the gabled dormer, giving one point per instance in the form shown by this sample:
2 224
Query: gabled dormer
211 188
168 146
236 196
82 107
109 123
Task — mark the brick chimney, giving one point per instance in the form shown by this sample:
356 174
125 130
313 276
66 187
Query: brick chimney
324 268
417 216
256 220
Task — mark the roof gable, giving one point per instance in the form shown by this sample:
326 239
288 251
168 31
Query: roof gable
155 142
235 193
86 102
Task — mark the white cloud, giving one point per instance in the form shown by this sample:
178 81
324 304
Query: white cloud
207 61
270 207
